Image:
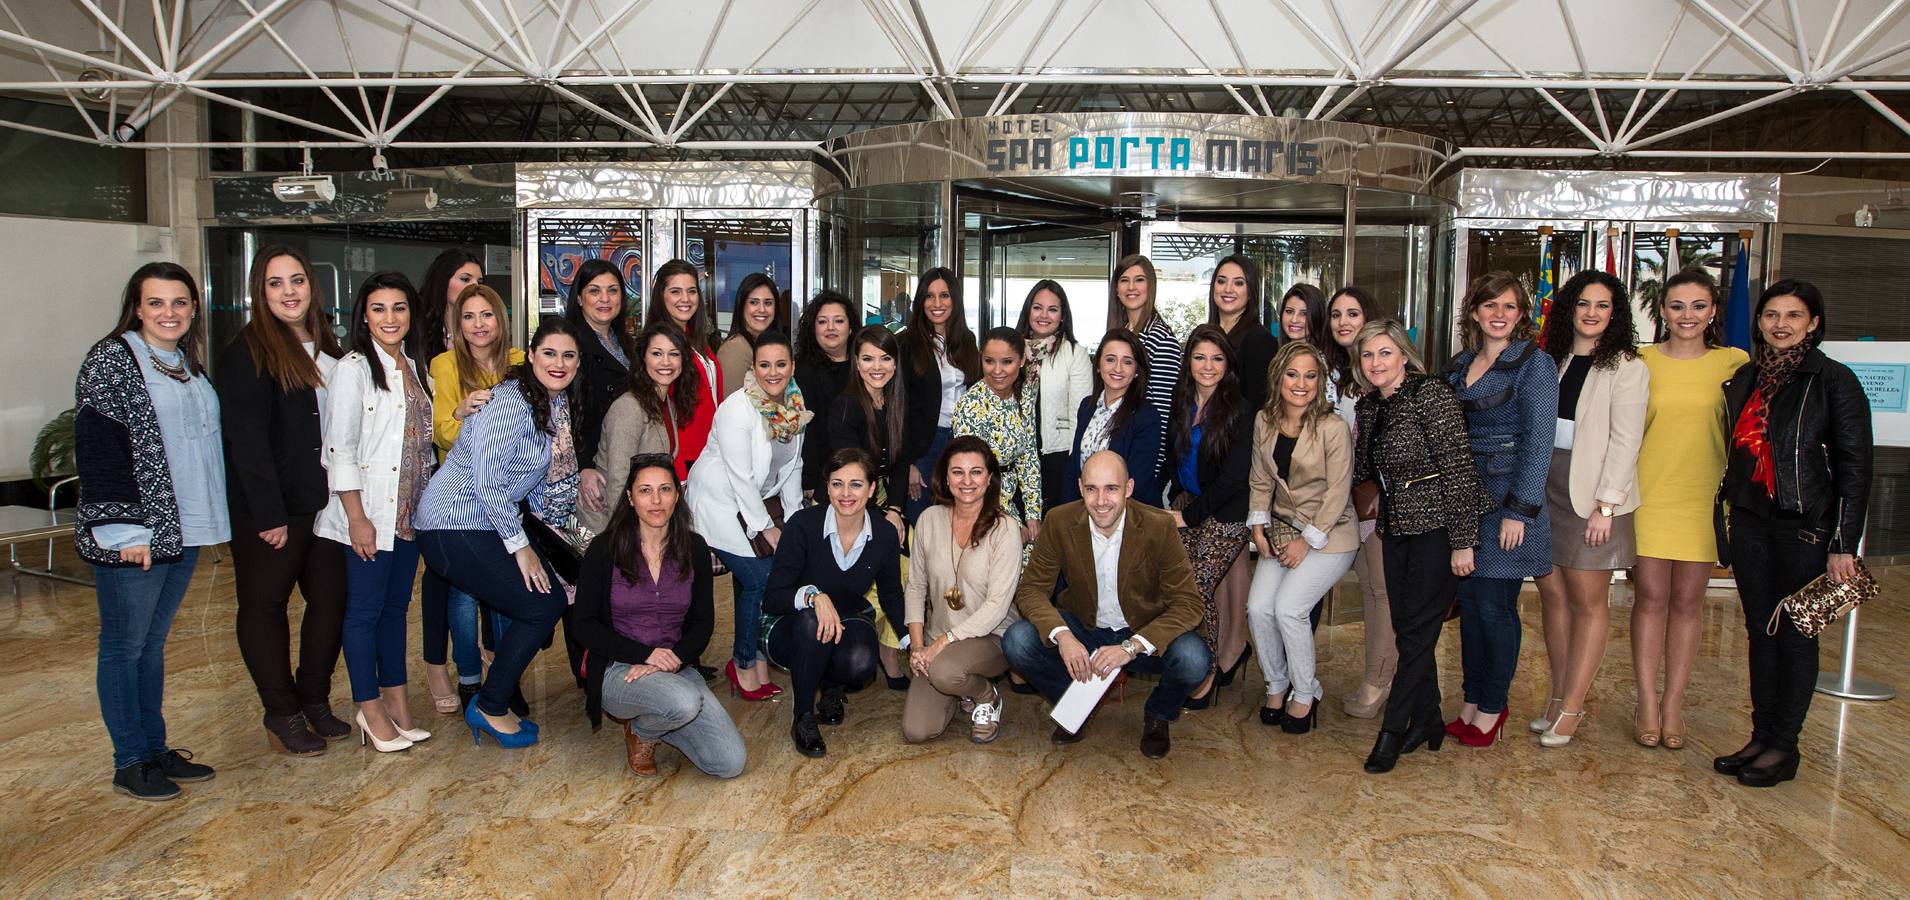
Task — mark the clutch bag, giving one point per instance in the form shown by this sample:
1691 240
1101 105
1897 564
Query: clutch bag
1822 602
1280 532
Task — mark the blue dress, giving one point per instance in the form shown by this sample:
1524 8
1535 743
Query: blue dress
1510 413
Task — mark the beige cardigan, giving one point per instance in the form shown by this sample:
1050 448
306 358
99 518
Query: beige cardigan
1315 500
989 576
627 431
1608 429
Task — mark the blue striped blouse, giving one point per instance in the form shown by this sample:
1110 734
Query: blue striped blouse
498 460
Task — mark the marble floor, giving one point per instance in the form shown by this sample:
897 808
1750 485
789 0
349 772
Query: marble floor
1237 809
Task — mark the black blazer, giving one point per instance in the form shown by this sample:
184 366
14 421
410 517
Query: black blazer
273 445
604 378
848 427
821 382
1223 483
1138 442
588 621
922 401
1254 357
1820 447
803 557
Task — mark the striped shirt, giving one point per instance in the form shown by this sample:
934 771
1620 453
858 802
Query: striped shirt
500 458
1163 366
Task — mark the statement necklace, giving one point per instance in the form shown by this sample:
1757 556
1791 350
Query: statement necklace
175 371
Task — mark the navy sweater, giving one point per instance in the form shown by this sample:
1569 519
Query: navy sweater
803 557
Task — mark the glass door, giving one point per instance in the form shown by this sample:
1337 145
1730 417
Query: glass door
729 245
1185 255
1008 245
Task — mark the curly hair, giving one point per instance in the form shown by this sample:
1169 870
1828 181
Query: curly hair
1620 340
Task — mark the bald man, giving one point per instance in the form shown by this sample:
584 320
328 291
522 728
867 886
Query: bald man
1128 601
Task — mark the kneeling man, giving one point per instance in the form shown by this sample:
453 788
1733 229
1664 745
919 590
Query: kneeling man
1128 601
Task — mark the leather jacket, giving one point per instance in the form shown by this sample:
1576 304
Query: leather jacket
1820 445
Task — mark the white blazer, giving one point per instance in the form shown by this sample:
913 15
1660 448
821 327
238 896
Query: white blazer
364 445
732 477
1065 379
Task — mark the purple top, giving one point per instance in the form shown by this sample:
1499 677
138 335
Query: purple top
650 610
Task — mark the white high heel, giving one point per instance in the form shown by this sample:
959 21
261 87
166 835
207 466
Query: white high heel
1542 725
1551 737
382 746
414 735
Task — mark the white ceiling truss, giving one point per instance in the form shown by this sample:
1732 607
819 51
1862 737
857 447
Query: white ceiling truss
382 64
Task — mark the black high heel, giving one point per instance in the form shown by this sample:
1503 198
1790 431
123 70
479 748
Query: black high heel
1784 769
1276 714
1301 724
1735 763
1431 735
1227 677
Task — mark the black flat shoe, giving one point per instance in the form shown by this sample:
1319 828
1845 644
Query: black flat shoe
177 765
1301 724
1385 753
1782 770
807 737
1735 763
829 710
897 683
1021 687
1154 738
319 718
1062 737
144 781
1273 715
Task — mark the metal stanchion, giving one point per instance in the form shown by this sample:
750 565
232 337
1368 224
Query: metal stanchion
1845 684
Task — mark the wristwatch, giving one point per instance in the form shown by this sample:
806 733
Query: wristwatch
1133 647
1605 509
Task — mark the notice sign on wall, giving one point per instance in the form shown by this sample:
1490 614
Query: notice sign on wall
1884 370
1884 384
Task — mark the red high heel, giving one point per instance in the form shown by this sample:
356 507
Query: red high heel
1473 737
737 689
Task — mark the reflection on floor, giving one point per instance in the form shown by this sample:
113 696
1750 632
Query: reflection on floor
1237 809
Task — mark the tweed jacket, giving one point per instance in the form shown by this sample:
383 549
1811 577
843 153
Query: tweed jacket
121 457
1511 413
1156 587
1414 443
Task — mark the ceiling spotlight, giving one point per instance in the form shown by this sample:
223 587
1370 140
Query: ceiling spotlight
411 199
95 94
304 189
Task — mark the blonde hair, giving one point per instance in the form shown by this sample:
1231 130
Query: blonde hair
1392 330
471 375
1318 408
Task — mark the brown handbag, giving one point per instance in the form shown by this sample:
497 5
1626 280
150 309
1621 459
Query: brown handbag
757 542
1822 602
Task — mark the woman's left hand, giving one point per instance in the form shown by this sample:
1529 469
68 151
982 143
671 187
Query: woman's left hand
1292 552
901 530
364 537
1511 534
1031 531
590 489
1598 529
1841 567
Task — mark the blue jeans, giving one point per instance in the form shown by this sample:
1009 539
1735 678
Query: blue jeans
913 509
678 709
445 610
477 563
749 576
1489 637
1182 666
136 607
377 596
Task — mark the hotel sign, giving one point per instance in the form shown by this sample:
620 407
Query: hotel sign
1031 145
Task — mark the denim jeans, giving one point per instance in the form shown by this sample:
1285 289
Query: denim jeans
377 597
445 610
1182 665
1489 637
748 577
477 563
136 607
678 709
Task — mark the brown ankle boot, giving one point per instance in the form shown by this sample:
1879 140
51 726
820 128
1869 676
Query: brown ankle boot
643 754
290 735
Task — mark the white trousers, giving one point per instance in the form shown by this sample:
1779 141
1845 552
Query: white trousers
1279 609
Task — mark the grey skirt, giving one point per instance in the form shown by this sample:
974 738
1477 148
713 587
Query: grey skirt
1568 530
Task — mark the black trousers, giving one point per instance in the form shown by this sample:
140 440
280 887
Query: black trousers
1420 582
264 580
1054 468
848 663
1771 559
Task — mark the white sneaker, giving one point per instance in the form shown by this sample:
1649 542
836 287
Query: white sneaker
987 719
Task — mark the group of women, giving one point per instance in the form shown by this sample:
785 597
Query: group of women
872 495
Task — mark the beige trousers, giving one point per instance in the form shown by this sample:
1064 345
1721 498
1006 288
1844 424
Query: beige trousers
961 670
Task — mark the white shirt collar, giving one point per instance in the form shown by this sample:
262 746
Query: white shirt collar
833 530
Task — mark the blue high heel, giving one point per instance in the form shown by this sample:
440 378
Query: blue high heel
523 737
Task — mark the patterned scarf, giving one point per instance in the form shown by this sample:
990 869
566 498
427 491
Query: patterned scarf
1038 350
1752 430
786 419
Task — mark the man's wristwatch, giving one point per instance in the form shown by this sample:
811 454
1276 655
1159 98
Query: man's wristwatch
1605 509
1132 647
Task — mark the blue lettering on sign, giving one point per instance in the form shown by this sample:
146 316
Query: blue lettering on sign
1887 385
1154 151
1180 152
1104 153
1125 143
1117 153
1077 152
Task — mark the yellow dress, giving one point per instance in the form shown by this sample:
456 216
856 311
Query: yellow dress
1682 456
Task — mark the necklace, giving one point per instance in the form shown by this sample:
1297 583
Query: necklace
175 371
953 596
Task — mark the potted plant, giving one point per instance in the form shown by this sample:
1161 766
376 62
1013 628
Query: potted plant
52 457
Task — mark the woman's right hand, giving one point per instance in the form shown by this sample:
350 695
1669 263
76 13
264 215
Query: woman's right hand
141 556
275 537
1260 544
664 659
471 403
774 536
1462 564
828 623
532 568
915 483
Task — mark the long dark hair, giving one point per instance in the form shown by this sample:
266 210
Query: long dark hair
276 350
685 392
1066 330
702 334
918 339
1484 288
779 299
590 271
625 531
1620 340
533 390
1713 335
1339 361
890 418
807 348
992 511
1133 341
1803 290
1249 312
1117 313
363 343
1217 420
193 344
1315 303
1013 339
435 312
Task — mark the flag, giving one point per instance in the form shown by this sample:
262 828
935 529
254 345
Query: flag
1542 297
1611 255
1737 310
